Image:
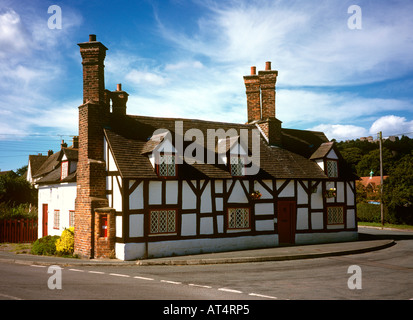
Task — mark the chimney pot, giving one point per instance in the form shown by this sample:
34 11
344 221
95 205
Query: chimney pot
253 70
268 65
92 37
119 87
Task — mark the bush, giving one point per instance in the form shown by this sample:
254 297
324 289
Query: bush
45 246
65 244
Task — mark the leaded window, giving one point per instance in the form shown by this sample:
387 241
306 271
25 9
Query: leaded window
332 170
237 166
238 218
335 215
162 221
166 165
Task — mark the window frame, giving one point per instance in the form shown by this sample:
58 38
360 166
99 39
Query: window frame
167 232
335 161
56 219
71 218
328 223
157 165
66 172
243 168
244 228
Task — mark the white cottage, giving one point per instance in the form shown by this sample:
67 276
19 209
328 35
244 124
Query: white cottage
153 186
56 184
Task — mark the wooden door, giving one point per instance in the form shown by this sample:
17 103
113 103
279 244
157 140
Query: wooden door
45 218
286 222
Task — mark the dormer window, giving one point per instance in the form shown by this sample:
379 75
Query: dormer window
166 165
237 166
332 168
64 170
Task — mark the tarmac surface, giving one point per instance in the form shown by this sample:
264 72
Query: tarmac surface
364 244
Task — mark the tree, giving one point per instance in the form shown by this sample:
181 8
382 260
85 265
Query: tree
398 190
371 161
16 190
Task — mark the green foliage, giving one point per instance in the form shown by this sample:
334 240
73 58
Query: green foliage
371 161
398 191
22 211
15 189
369 212
65 244
364 156
45 246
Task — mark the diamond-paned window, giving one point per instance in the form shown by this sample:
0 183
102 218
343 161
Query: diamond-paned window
166 166
238 218
163 221
237 166
332 170
335 215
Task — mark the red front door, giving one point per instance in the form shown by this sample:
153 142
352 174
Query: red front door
286 222
45 218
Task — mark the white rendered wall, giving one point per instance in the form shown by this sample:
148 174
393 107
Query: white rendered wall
58 197
131 251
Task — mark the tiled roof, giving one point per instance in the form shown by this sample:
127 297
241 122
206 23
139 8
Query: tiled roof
36 162
322 150
50 171
128 138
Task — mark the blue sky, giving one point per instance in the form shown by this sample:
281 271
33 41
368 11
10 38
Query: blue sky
187 58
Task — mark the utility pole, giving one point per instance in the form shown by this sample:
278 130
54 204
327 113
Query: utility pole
381 179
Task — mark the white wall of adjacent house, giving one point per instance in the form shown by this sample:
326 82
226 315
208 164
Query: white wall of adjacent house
60 200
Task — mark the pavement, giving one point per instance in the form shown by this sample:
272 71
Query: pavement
243 256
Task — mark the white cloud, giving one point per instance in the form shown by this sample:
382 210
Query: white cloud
309 43
340 132
145 78
391 125
185 65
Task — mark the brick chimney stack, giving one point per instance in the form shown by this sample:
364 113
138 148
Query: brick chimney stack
119 100
252 85
260 90
93 55
268 78
91 174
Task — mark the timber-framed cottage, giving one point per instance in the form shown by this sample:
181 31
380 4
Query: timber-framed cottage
151 187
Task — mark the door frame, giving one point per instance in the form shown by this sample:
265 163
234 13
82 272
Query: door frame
45 219
287 234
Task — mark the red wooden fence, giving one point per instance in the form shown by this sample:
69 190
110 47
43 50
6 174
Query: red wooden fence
18 230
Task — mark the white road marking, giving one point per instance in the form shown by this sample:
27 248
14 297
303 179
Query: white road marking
171 282
37 266
143 278
77 270
10 297
198 285
262 296
97 272
119 275
229 290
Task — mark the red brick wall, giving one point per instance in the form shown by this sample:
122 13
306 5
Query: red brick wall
91 175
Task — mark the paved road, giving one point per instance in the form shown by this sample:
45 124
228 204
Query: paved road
385 274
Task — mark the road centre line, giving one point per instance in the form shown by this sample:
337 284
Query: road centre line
144 278
229 290
171 282
119 275
164 281
199 286
262 296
